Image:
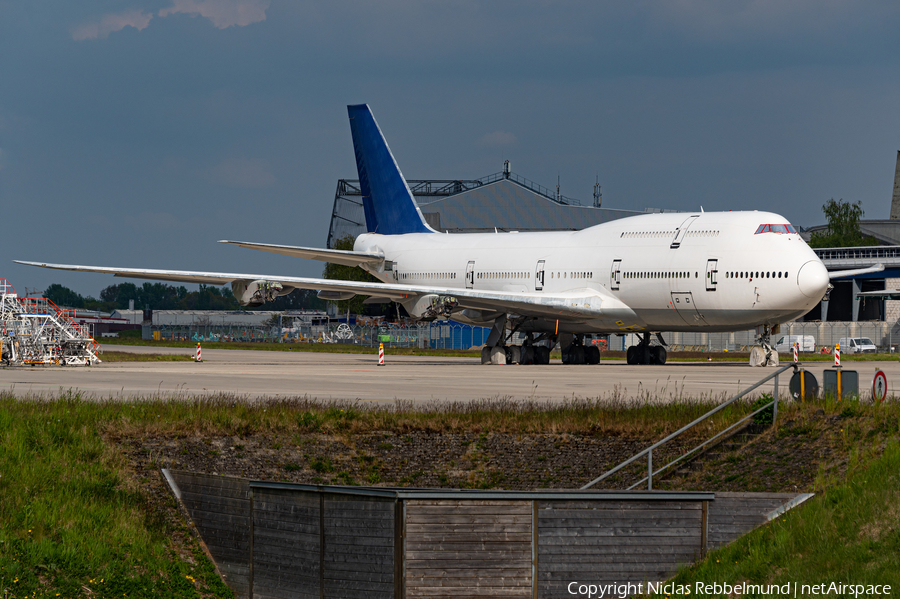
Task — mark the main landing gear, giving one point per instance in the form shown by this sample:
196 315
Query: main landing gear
646 353
530 352
576 352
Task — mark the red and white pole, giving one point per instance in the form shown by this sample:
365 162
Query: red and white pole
198 359
796 357
837 355
381 354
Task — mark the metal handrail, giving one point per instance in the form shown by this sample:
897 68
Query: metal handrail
649 451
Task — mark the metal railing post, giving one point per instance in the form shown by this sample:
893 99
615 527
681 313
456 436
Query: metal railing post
650 470
775 406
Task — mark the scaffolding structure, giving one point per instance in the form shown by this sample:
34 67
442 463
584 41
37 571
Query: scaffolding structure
37 331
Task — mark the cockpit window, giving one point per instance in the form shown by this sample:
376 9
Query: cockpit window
783 229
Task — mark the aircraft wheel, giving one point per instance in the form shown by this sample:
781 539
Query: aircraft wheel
527 354
485 355
757 356
592 355
631 355
541 355
498 355
576 354
513 354
658 355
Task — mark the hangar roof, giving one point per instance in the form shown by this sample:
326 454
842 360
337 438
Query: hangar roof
506 202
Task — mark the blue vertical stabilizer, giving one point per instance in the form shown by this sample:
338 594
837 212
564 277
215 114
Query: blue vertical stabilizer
388 203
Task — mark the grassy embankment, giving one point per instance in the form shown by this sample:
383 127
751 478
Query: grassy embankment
77 520
849 533
74 524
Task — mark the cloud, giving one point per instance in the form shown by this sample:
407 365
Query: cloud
222 13
242 172
497 138
110 24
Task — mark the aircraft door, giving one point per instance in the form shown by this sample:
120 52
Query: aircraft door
470 274
683 302
539 276
712 274
615 275
679 234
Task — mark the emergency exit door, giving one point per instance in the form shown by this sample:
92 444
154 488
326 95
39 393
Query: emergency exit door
470 274
539 276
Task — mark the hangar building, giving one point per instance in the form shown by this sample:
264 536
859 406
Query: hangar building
504 201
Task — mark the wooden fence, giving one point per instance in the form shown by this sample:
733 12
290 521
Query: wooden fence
279 540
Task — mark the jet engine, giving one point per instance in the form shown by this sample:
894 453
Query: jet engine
430 306
335 296
256 293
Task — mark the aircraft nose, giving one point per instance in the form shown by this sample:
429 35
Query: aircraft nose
813 279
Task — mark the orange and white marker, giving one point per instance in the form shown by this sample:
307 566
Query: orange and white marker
381 354
197 358
837 355
796 357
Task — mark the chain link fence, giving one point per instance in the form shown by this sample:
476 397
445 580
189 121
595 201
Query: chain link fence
813 336
434 335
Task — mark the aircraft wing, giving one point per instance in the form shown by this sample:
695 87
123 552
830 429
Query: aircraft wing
580 304
347 258
838 274
891 294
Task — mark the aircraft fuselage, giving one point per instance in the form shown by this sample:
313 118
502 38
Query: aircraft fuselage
707 271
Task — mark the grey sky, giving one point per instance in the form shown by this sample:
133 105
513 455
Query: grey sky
138 133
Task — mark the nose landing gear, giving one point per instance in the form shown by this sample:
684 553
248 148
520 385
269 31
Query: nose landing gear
763 354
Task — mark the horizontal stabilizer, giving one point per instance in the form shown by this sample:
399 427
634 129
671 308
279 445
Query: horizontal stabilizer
345 257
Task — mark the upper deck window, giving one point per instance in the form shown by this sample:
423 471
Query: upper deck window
784 229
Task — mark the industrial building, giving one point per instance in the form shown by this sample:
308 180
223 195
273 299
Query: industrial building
844 303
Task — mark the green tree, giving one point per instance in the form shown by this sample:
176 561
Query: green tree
843 226
348 273
63 296
298 299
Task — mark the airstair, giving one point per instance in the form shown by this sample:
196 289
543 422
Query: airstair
37 331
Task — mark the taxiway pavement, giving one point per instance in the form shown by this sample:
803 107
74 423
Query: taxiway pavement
326 376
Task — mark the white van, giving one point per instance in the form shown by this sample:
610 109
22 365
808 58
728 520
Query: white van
785 343
857 345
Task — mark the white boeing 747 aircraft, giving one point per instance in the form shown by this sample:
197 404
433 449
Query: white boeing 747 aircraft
704 271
